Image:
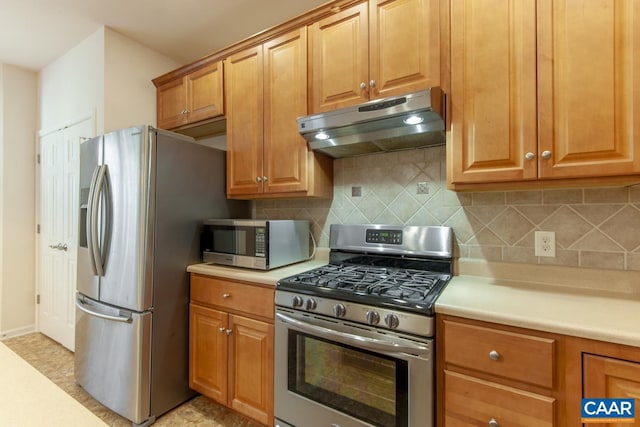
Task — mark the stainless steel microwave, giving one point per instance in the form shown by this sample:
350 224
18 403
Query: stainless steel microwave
257 244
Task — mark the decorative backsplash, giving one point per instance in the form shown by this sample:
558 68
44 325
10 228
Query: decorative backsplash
595 227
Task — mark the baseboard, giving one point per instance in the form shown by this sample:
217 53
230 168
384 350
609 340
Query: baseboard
17 332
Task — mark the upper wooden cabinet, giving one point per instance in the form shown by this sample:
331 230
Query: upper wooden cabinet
191 98
373 50
266 90
544 90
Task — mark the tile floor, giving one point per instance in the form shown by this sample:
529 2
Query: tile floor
56 362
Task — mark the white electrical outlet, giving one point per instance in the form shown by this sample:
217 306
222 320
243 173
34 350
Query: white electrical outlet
545 243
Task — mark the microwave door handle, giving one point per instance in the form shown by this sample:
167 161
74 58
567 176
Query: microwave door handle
98 260
355 340
91 222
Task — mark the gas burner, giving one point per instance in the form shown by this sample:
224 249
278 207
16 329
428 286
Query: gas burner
393 267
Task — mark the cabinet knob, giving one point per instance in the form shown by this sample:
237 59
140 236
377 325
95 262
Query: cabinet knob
372 83
529 156
225 296
264 178
546 154
363 85
221 330
185 111
494 355
493 423
258 179
228 331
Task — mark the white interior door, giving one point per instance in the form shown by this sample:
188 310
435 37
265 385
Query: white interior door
58 243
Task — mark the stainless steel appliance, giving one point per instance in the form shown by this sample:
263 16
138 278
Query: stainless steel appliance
143 195
414 120
354 340
259 244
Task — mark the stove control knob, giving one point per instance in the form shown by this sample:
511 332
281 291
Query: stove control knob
391 320
373 317
311 304
297 301
339 310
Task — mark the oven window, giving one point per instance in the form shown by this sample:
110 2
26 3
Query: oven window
366 385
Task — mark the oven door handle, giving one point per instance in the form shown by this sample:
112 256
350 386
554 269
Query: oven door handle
355 340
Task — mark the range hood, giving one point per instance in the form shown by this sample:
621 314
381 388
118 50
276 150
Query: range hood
414 120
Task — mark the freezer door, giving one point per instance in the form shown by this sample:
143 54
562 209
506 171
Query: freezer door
112 357
128 256
88 280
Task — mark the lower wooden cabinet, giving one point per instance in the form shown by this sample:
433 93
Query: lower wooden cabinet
493 375
497 375
231 345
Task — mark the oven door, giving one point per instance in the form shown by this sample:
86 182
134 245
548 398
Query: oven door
330 373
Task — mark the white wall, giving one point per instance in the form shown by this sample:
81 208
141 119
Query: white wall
130 96
73 85
18 124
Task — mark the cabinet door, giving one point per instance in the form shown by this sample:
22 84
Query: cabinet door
171 101
339 60
605 377
204 93
589 87
285 99
493 91
208 352
251 368
404 51
244 99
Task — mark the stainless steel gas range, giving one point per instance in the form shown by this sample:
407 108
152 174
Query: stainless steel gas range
354 339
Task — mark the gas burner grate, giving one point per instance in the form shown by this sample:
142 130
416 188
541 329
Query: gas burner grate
379 282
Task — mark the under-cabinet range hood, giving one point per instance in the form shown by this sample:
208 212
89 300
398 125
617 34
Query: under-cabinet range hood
414 120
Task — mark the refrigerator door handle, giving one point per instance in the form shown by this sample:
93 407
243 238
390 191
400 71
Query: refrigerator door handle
95 249
91 217
81 306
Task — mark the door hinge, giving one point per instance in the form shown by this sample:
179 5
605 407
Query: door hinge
38 299
38 229
38 158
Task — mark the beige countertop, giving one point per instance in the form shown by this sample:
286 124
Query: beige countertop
598 304
28 398
269 277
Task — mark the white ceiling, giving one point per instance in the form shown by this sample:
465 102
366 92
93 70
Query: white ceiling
33 33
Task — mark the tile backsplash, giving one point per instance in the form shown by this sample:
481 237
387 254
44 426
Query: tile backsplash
595 227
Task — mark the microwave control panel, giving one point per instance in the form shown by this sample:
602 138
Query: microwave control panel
260 241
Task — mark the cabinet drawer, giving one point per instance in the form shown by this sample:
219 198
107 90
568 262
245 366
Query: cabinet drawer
470 401
256 300
519 357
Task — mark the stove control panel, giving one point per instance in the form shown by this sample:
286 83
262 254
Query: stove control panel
378 317
389 237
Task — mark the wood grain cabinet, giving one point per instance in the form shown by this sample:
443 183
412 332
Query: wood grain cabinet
266 90
495 376
373 50
192 98
231 345
599 369
544 91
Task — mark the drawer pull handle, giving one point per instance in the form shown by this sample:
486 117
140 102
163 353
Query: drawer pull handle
225 296
494 355
493 423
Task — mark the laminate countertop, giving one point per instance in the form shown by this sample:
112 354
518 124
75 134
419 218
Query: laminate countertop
269 277
28 398
594 304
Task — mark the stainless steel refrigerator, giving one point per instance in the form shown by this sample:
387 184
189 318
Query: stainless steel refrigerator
144 193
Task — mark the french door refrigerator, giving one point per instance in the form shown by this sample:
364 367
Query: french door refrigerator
144 194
